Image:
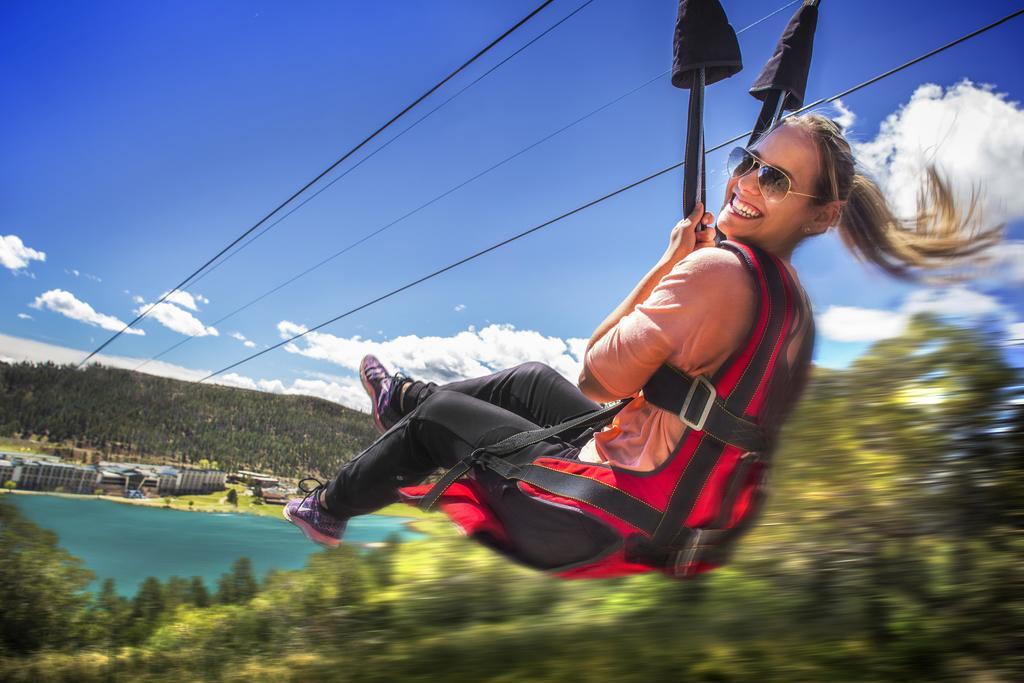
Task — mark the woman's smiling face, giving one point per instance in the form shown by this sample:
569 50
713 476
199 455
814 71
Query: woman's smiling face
777 226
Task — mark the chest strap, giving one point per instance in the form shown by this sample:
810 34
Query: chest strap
696 402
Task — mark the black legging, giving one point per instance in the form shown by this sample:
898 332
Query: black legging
443 425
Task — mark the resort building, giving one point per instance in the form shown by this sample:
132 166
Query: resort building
48 473
256 479
6 471
169 481
201 481
275 496
33 475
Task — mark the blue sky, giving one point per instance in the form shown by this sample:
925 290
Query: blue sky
140 138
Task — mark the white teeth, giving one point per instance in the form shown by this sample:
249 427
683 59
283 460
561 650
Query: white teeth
741 210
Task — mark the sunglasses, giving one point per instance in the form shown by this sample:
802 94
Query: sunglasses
774 184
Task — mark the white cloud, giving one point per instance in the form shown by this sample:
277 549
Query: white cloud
1003 264
346 391
245 342
138 299
853 324
289 329
460 307
971 133
65 303
87 276
17 349
958 303
24 316
231 379
350 394
14 255
184 299
470 353
844 117
953 302
178 320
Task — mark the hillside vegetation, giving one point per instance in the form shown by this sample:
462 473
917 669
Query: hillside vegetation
890 550
127 415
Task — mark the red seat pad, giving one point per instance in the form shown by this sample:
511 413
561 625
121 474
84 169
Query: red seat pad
464 505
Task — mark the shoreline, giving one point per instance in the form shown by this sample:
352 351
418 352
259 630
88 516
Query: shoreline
273 511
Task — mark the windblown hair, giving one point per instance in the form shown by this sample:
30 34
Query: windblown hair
941 233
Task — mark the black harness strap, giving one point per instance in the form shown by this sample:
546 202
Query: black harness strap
519 441
665 541
703 461
593 492
667 389
745 388
725 428
687 490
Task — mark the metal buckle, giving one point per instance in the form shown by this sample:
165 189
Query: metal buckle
685 560
712 395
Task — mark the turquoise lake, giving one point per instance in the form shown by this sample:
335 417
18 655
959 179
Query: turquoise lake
130 542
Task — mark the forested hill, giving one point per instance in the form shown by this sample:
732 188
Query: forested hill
129 414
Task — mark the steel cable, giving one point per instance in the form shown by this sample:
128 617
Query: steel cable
330 168
605 197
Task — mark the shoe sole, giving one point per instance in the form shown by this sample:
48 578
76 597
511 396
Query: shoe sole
311 533
373 399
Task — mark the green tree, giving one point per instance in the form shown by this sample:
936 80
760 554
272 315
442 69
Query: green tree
43 598
148 606
382 559
120 412
233 497
237 586
10 485
177 591
111 613
199 596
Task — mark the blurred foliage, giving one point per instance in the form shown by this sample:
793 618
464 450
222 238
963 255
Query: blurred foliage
41 584
890 551
129 414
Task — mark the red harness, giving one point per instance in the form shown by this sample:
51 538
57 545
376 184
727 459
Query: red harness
683 517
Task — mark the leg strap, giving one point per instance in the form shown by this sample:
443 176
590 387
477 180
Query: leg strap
516 442
614 501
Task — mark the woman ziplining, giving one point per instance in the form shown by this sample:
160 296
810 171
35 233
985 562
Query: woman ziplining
704 360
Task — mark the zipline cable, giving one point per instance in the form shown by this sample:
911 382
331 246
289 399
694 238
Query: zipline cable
435 199
614 193
330 168
432 111
403 217
470 85
388 143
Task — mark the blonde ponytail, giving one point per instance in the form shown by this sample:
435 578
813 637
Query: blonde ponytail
941 235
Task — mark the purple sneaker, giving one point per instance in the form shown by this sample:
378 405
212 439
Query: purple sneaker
380 384
319 525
